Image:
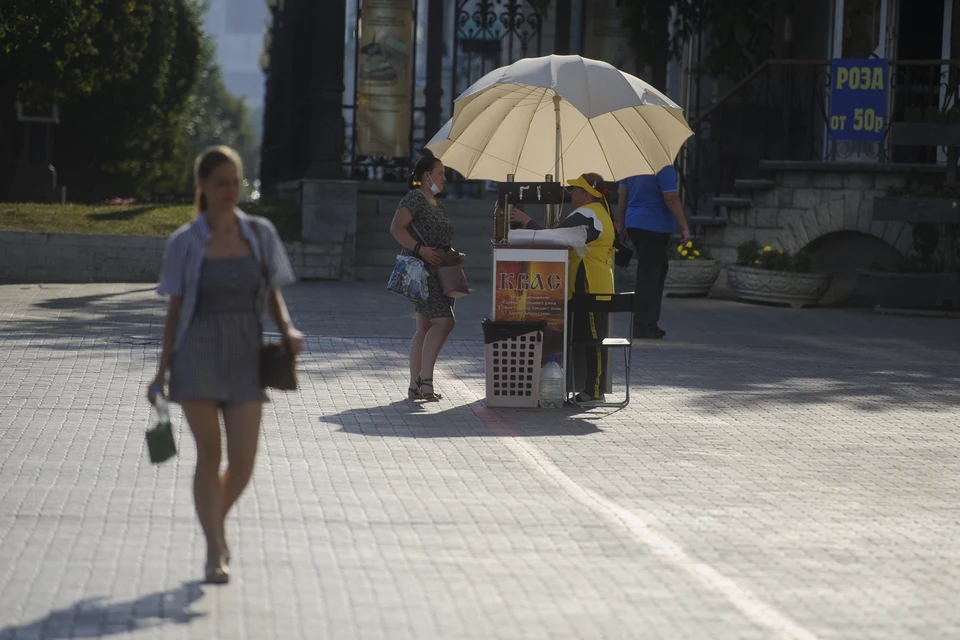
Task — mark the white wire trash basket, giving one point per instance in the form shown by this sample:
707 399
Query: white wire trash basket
514 351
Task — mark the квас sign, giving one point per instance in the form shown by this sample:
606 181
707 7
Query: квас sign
858 99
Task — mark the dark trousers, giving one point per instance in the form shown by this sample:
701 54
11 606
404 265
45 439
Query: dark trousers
588 326
652 265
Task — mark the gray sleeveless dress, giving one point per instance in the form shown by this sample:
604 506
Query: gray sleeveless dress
219 359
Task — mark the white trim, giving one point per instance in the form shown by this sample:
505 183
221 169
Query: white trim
881 50
587 212
945 70
947 31
836 47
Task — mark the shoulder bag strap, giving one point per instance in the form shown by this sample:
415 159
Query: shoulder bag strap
264 275
417 231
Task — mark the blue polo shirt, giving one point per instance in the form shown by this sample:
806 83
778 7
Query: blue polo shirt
645 206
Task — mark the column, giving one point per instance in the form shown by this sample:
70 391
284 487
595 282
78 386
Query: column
326 89
433 92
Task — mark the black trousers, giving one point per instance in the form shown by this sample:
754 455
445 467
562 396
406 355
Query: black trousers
588 326
652 265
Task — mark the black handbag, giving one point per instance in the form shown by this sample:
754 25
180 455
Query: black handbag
278 365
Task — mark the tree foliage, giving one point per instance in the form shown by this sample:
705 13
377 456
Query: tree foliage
127 137
737 35
52 49
216 116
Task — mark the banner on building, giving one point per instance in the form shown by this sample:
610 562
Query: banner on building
531 291
858 99
383 78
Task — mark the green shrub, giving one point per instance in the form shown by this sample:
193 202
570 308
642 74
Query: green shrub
284 214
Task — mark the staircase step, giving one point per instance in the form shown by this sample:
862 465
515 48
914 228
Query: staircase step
752 184
732 202
707 221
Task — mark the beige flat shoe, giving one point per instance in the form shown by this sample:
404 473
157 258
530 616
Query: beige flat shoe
217 572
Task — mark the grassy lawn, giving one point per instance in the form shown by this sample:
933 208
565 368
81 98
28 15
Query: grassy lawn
128 220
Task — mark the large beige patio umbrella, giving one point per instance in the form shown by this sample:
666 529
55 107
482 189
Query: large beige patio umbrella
560 115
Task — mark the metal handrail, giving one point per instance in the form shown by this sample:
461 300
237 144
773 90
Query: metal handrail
779 111
800 63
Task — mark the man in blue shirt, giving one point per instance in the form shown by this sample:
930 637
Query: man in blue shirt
649 212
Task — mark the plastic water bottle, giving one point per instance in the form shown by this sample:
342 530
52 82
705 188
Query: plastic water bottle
551 385
162 410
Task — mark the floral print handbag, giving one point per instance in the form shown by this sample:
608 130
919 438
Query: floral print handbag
409 278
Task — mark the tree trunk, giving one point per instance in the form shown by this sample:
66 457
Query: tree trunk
8 129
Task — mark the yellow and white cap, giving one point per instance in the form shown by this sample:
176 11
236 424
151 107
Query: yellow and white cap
592 189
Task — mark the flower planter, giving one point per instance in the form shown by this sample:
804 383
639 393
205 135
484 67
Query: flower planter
691 277
915 209
907 289
782 287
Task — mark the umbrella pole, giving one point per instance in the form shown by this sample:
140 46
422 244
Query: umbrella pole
554 210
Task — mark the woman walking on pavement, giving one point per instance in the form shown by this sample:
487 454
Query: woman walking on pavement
220 271
592 273
649 212
422 228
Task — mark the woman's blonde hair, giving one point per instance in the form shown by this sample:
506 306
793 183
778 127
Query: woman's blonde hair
208 162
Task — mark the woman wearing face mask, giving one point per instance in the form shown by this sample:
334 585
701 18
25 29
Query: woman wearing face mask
422 228
592 273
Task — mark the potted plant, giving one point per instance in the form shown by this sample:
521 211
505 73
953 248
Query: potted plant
765 274
692 270
929 275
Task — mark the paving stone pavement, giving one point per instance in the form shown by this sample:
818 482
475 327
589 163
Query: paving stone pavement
779 474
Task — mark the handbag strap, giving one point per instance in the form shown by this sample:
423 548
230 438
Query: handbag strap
264 271
417 231
264 276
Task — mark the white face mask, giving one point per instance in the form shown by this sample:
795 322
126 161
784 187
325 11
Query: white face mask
434 189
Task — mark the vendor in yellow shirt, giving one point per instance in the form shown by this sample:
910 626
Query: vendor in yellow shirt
592 273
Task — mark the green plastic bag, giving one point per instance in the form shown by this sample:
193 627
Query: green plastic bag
160 442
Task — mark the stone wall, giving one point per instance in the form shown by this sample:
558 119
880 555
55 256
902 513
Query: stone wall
67 257
812 200
27 257
806 204
329 226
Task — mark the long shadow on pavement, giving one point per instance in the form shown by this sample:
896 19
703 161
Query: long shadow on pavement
91 301
396 420
93 618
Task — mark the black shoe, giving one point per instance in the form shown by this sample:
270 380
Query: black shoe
584 397
649 333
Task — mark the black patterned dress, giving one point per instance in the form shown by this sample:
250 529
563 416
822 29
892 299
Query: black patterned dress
437 231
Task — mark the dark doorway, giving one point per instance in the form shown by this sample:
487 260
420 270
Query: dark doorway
921 30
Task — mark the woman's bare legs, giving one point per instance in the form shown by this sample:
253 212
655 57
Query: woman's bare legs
440 329
203 417
416 349
242 424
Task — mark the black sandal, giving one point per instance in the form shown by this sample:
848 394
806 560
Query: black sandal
414 393
429 396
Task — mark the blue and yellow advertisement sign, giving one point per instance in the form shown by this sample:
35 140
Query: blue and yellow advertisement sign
858 99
